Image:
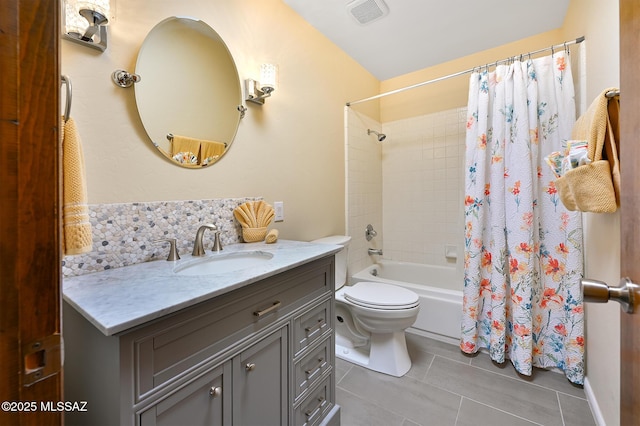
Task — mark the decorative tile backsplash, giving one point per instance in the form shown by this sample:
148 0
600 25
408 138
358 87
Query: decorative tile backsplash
124 234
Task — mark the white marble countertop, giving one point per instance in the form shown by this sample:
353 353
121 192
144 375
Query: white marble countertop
118 299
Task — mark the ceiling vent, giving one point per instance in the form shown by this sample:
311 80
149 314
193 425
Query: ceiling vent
366 11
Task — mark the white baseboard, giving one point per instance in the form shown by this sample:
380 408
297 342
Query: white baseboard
593 403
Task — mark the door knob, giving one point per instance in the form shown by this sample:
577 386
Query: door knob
627 294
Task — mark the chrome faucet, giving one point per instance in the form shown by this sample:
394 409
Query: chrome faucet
198 247
377 252
369 232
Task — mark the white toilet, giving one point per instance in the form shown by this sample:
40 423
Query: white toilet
371 318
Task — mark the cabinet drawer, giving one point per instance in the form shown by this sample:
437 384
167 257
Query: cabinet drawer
168 349
311 326
310 369
316 406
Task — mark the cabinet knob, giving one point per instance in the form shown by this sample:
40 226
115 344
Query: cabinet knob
215 391
250 366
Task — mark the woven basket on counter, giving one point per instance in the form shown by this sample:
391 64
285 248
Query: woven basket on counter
252 235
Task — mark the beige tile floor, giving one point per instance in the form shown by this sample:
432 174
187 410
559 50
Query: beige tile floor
446 387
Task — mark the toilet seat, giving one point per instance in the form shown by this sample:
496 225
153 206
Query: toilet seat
375 295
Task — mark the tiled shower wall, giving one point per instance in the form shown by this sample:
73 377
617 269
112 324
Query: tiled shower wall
422 189
409 187
364 187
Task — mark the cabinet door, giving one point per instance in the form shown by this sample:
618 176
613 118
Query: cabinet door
260 382
206 400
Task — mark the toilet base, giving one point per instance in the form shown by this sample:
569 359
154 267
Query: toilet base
387 353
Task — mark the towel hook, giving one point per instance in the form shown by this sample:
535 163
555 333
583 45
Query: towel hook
67 108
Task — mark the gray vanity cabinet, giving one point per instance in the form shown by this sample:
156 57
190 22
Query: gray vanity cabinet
257 387
260 355
203 401
260 385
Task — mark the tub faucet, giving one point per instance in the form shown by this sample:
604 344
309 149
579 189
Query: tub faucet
198 247
377 252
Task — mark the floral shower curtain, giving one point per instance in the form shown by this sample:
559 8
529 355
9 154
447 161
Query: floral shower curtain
523 249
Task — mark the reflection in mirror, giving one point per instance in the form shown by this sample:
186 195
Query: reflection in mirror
189 92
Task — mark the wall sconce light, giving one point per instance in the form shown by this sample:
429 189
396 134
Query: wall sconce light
85 22
257 91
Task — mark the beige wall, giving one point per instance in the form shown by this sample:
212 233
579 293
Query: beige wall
597 20
291 149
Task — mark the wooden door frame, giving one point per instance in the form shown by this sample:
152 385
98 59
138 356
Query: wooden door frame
30 263
629 203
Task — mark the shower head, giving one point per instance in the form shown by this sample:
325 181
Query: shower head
381 136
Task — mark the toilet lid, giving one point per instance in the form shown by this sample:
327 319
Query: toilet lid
381 296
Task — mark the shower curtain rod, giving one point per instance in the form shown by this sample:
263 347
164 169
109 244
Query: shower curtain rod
424 83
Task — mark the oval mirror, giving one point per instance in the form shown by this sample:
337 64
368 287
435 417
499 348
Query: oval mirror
189 92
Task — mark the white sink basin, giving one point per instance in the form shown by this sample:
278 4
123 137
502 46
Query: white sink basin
222 263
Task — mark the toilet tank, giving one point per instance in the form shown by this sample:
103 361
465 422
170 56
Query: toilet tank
341 256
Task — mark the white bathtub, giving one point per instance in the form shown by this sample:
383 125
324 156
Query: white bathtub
439 288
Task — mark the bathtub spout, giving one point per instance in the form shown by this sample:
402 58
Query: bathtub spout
377 252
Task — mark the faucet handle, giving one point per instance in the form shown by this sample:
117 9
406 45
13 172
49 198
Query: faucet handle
217 245
369 232
173 249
